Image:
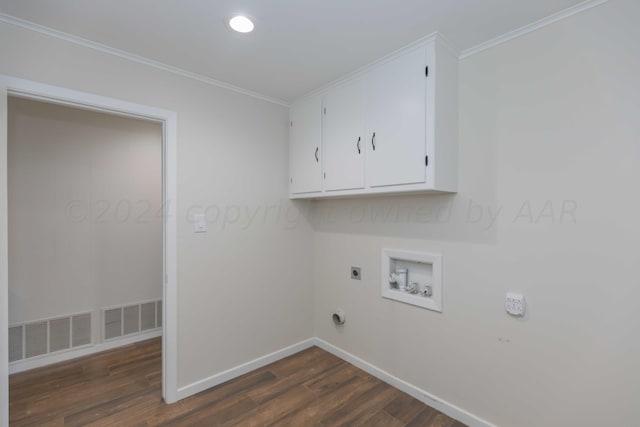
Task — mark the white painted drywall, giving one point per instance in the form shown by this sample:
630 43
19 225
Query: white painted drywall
548 122
85 203
551 116
244 287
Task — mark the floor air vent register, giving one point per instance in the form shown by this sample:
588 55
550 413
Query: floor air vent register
49 336
64 333
131 319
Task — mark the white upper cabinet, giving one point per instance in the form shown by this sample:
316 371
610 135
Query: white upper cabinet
390 129
305 151
343 142
396 121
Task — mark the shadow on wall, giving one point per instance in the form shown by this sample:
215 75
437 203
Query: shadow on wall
439 217
442 217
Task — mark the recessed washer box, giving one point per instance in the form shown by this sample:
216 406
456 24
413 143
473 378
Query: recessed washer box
413 278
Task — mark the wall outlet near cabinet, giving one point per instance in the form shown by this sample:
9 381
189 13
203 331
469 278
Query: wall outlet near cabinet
514 304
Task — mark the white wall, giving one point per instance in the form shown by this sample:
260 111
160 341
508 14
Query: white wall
551 116
548 119
244 287
85 203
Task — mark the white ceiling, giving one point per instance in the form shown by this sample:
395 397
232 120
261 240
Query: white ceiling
298 45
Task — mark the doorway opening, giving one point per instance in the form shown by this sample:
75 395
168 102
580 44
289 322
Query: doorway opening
71 221
85 232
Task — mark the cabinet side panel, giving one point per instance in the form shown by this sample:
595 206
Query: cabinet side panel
446 120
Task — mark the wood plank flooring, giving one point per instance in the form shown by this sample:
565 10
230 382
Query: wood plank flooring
122 387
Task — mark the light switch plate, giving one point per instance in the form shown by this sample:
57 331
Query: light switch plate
514 304
199 223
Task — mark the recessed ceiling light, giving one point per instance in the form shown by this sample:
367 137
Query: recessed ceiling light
241 24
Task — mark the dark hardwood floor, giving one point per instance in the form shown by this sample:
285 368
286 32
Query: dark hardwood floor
122 387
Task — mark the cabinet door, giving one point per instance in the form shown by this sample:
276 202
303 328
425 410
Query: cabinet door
343 142
396 121
305 136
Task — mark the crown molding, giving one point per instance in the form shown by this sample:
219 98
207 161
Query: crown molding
563 14
32 26
551 19
504 38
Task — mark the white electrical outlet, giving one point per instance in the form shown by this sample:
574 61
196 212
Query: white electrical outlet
514 304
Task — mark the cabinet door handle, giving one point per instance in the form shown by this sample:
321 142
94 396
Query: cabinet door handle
373 141
358 145
317 160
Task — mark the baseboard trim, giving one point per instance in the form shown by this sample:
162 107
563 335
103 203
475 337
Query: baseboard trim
435 402
239 370
49 359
